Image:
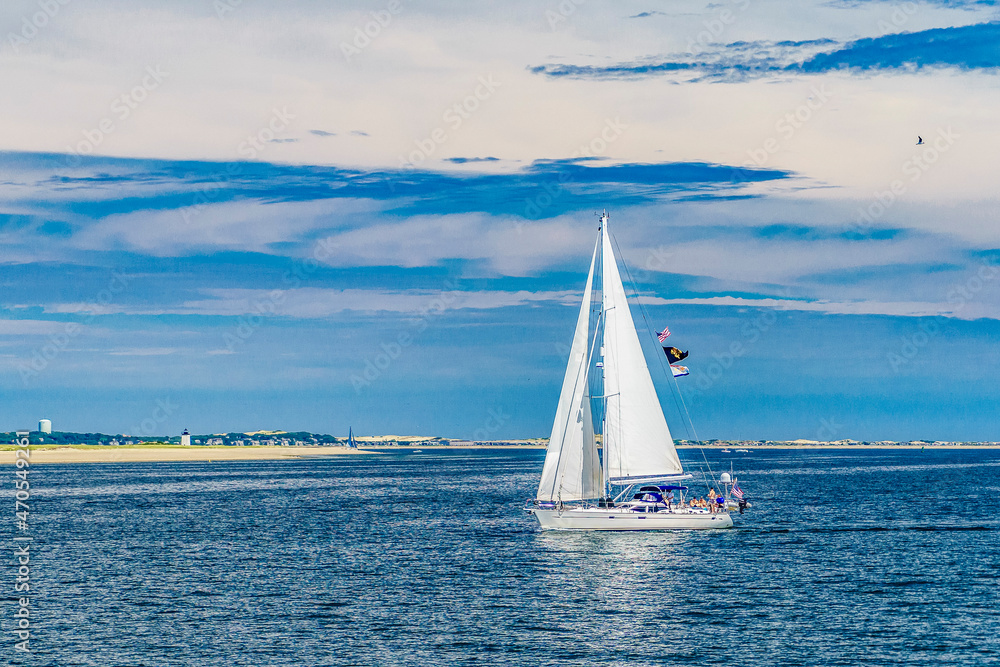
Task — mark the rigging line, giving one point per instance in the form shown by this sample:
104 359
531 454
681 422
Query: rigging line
590 359
700 448
599 331
609 437
689 424
609 352
562 473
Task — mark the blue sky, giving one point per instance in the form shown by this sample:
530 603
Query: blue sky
262 216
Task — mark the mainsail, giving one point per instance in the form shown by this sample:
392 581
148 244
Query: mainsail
637 442
572 469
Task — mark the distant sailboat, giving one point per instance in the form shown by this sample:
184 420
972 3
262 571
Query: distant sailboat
350 439
638 452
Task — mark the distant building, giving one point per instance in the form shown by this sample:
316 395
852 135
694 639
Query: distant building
45 426
186 438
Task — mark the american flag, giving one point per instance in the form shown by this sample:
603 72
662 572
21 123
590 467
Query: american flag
663 334
737 491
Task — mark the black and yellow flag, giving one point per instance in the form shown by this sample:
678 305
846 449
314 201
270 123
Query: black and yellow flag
673 354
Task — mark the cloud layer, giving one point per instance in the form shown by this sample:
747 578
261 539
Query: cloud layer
264 216
971 47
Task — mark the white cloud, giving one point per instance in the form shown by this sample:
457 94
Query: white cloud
248 225
143 352
506 245
30 327
307 303
225 75
963 311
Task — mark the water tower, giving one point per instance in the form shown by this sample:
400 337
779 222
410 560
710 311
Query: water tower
45 426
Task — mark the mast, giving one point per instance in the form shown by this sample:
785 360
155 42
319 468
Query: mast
605 468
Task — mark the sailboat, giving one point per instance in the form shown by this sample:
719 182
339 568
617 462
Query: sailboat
607 377
351 442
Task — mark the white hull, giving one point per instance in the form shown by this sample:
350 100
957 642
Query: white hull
596 518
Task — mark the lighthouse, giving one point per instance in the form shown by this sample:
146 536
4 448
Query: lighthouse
186 438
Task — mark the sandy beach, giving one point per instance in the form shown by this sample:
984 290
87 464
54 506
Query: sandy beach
70 454
98 454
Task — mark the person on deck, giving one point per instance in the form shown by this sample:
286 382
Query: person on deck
670 499
711 500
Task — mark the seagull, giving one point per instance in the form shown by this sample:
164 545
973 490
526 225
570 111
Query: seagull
920 141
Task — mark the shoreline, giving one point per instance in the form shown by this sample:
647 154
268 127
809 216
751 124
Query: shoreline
106 454
390 448
833 446
41 454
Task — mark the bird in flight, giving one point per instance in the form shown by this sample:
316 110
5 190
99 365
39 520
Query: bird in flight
920 140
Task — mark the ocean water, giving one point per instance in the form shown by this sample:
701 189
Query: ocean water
872 557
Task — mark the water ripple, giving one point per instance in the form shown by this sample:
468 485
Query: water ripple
871 557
